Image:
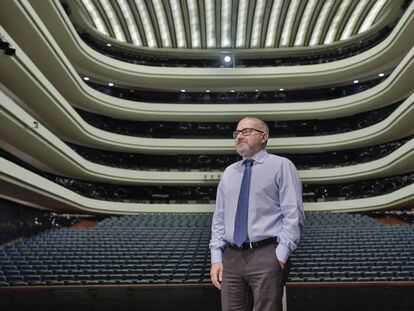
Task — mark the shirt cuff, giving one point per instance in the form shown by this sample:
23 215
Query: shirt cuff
282 253
216 256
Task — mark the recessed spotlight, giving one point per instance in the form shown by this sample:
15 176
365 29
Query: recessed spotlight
110 84
356 81
256 90
227 59
281 90
182 91
108 44
207 91
86 78
381 74
232 91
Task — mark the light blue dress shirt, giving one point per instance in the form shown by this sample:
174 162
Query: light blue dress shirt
275 205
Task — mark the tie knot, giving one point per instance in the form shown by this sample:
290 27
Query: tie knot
248 162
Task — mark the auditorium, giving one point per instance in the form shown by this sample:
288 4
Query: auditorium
171 155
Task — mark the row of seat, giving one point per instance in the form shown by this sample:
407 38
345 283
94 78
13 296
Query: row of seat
139 249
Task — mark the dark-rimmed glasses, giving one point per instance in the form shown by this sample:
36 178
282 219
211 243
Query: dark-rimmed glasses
245 132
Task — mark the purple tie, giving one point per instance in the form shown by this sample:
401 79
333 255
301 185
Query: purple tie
240 225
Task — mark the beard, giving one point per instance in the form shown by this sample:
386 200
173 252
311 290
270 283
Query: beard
245 150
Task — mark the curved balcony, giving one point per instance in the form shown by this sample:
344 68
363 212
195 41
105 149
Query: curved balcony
47 151
17 183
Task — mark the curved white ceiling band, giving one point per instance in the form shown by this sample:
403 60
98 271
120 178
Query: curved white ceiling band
131 22
232 12
95 16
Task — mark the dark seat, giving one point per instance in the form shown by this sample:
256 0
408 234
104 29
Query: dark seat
49 277
29 278
36 283
90 282
18 283
72 282
404 274
83 277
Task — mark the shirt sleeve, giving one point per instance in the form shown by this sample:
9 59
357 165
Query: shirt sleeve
217 241
290 197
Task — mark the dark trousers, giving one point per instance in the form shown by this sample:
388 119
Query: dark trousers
252 270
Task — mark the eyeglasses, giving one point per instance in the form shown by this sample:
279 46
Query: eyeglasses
245 132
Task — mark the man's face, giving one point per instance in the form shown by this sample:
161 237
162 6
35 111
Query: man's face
248 146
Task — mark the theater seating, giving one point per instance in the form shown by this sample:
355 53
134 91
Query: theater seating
172 248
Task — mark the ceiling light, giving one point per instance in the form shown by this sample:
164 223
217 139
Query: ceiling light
256 90
182 91
227 60
232 91
207 91
281 90
356 81
381 74
110 84
86 78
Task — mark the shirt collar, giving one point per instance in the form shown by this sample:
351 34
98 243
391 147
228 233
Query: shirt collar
259 157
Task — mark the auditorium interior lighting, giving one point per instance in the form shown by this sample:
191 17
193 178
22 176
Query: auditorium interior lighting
319 21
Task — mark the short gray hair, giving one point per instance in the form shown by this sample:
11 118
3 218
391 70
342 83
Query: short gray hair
263 126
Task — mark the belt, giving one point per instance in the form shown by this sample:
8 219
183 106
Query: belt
252 245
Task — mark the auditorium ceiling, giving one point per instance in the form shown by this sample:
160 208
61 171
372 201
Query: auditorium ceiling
232 24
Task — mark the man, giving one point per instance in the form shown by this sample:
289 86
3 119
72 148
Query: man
256 223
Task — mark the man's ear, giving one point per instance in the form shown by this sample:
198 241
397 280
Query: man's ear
265 137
